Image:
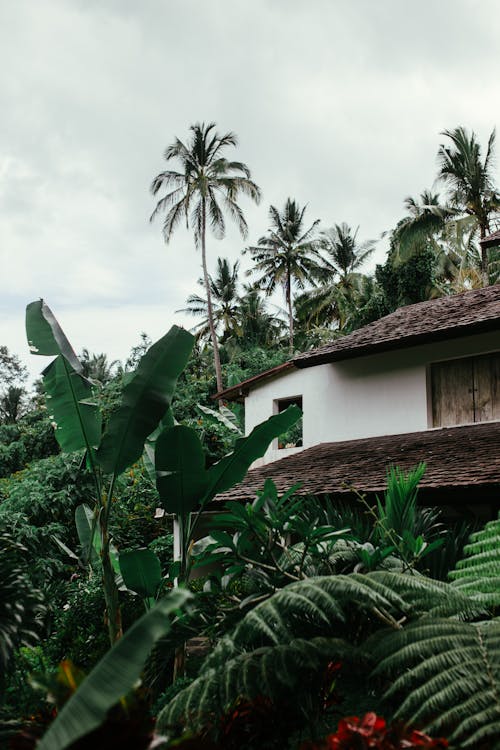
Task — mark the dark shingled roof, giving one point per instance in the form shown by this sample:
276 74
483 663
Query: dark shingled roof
477 311
492 240
242 389
457 458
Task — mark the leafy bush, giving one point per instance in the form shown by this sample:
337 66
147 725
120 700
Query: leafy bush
29 439
39 503
21 608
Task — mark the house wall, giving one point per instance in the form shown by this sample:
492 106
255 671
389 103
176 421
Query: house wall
380 394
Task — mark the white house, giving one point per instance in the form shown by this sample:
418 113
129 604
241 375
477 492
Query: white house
416 375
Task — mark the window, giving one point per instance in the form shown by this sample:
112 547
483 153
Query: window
292 438
465 390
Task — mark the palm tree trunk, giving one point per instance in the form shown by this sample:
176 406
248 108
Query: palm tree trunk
483 229
213 335
290 311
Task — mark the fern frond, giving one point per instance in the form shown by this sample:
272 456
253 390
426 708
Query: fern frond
279 672
307 607
449 675
428 596
478 573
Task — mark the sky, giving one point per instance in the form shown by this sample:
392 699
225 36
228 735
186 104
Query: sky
338 104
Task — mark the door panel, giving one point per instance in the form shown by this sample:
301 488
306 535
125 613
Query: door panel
452 392
486 388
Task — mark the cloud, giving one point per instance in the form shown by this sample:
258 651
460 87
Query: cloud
337 104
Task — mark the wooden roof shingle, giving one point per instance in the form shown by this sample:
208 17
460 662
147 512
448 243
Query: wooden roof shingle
461 457
462 314
476 311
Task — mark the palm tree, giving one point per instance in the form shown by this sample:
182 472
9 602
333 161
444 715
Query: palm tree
206 184
225 301
426 218
287 256
257 327
451 237
345 255
342 281
97 366
470 180
12 404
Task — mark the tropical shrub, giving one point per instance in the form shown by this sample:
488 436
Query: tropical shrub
21 604
39 503
27 440
282 646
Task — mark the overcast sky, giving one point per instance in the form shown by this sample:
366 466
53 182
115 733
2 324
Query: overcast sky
336 103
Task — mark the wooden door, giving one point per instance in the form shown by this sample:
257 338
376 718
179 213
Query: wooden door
452 392
486 374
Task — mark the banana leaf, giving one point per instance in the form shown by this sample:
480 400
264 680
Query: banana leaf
150 445
88 535
145 400
232 468
113 677
45 335
225 416
69 399
181 478
141 572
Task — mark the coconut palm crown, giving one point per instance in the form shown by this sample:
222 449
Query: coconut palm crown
225 301
469 178
287 256
206 185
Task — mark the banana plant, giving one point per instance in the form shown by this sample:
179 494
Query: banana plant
146 398
186 486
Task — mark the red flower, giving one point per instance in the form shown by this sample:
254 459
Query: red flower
357 734
371 731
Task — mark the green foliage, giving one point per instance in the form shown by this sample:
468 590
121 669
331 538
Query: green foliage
145 400
400 520
70 402
183 482
76 631
29 439
180 466
113 677
20 697
251 544
146 397
141 572
478 573
409 282
38 503
21 608
447 676
300 628
439 562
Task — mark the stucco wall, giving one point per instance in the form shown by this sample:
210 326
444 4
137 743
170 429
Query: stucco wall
382 394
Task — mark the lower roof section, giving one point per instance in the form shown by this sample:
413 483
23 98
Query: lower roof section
460 459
